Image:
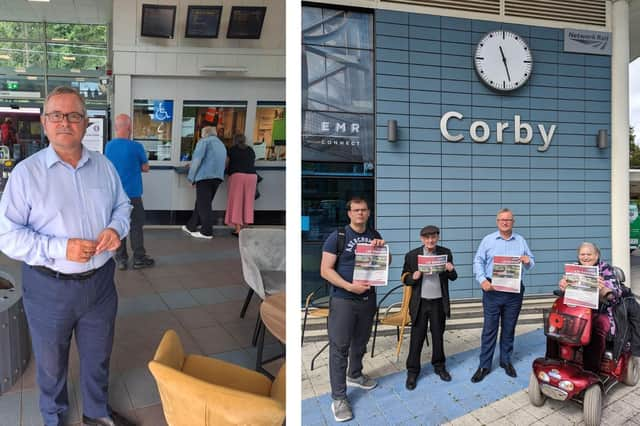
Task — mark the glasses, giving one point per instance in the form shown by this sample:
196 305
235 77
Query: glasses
57 117
359 210
505 220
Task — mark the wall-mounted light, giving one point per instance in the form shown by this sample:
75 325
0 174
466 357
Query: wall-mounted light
392 130
602 140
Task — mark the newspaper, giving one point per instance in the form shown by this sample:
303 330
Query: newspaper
582 285
372 265
507 274
432 264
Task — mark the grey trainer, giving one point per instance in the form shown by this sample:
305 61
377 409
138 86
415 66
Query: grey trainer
341 410
364 382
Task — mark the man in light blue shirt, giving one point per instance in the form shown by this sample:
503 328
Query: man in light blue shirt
206 172
499 306
63 214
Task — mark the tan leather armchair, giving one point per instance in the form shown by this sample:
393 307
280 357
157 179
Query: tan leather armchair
201 391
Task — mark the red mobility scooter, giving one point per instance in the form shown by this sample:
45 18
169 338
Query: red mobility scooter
563 378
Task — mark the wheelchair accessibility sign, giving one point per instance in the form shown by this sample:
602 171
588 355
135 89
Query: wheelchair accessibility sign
163 111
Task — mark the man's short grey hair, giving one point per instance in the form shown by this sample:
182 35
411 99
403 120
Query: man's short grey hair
503 210
66 90
208 131
588 244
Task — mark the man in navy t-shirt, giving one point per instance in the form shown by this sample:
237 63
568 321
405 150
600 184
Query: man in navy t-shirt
351 308
130 160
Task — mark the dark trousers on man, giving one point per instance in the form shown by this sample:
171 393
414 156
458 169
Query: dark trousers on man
500 309
202 215
57 308
349 329
136 235
431 312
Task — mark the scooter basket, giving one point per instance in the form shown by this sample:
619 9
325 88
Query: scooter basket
563 328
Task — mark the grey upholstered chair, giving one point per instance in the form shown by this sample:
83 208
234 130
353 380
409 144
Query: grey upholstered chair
262 251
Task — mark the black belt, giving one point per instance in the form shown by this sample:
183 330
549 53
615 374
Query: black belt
66 277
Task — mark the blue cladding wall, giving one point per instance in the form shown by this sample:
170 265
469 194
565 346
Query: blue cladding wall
561 197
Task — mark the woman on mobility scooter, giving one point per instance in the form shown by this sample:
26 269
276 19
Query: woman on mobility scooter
566 373
602 322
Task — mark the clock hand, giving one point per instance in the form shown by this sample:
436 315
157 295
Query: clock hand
504 61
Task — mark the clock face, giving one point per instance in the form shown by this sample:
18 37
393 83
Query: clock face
503 60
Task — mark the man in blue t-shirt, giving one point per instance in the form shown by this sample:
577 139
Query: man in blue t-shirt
351 309
130 160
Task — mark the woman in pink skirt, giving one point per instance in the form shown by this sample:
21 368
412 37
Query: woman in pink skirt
242 184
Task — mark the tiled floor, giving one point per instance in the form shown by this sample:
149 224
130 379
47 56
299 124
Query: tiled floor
195 288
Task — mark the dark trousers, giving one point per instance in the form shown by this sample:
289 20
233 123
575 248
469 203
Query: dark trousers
202 215
349 329
55 309
431 312
135 234
501 309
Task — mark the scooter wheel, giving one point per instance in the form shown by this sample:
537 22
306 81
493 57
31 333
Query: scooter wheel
592 406
631 374
535 395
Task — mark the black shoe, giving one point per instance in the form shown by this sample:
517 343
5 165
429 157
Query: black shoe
444 374
123 265
508 368
480 374
145 262
114 420
411 381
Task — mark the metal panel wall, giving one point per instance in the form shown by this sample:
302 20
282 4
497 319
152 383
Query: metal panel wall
424 68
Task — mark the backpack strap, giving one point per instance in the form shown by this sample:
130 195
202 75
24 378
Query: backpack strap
341 239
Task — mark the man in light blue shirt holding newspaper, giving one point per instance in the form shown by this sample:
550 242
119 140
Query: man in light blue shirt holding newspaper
501 308
63 214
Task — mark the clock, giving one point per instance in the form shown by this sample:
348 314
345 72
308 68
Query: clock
503 60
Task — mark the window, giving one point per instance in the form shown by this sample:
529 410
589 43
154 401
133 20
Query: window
89 88
21 57
38 56
228 117
269 133
338 130
337 86
152 123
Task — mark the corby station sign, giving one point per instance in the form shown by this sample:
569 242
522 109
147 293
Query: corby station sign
480 131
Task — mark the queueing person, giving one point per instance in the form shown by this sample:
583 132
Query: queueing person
242 185
206 173
63 214
351 309
500 308
429 304
130 160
